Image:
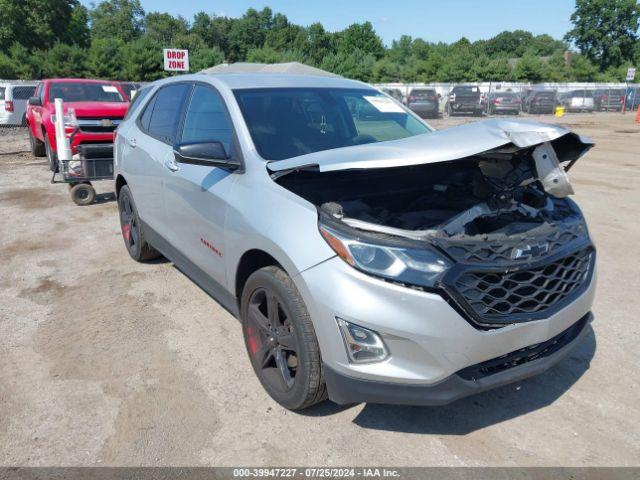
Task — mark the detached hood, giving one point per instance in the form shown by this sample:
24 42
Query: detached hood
442 146
98 109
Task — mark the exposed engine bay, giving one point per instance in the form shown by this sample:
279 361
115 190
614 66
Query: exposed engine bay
500 193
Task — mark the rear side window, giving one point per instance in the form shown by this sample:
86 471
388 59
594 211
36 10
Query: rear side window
2 90
23 93
206 119
138 97
166 107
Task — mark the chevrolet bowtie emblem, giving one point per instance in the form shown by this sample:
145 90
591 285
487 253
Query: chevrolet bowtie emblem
106 123
529 251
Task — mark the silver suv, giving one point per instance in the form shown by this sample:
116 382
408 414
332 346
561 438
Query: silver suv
368 257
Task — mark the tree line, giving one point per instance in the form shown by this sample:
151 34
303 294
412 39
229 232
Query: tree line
117 39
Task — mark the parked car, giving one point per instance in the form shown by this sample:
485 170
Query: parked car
424 102
611 99
13 102
464 99
394 93
540 101
578 101
93 110
502 102
369 258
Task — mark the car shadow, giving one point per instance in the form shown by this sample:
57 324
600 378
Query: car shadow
105 197
478 411
485 409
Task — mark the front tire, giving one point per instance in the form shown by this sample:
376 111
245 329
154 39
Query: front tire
280 340
52 156
131 228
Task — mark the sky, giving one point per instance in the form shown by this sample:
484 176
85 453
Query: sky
433 20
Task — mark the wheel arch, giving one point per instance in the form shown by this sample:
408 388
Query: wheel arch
120 182
250 262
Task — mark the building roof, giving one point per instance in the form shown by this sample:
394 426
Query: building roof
294 68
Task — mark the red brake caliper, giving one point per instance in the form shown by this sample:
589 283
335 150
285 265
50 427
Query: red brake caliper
253 344
127 231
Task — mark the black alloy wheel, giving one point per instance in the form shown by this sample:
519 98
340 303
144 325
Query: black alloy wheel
280 339
129 224
131 228
271 340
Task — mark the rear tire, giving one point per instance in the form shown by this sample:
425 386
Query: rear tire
280 340
131 228
83 194
37 147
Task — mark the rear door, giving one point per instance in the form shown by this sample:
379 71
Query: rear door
195 195
148 146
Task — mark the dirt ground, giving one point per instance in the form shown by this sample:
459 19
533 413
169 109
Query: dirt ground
105 361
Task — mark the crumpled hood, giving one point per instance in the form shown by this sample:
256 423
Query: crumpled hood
442 146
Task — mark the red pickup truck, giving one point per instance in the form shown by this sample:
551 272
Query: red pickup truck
93 110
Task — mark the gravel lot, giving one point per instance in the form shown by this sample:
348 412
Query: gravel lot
105 361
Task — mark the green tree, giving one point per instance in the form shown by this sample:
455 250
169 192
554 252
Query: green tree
117 19
42 23
248 32
319 43
163 27
356 64
204 26
530 68
104 59
362 37
606 31
7 67
62 60
142 60
205 58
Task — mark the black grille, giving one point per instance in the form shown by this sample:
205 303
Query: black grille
97 129
514 293
524 355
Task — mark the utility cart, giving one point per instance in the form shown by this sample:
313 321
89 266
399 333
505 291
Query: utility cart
93 162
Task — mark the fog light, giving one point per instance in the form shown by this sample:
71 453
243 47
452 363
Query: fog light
363 345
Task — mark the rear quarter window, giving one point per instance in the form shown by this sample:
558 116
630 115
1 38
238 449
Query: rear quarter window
2 90
162 115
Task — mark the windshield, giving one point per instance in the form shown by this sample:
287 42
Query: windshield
288 122
84 92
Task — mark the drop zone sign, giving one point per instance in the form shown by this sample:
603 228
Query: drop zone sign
176 60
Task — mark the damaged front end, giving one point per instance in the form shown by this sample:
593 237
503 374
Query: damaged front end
493 231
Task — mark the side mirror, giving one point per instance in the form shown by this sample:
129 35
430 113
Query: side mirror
35 101
208 154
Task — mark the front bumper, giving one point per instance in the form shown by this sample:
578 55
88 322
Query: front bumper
345 390
428 340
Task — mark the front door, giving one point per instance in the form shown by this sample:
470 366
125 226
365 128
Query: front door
195 195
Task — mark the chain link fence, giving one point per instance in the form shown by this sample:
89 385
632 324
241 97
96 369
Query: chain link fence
494 98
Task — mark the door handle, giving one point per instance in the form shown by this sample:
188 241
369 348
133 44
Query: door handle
132 142
171 165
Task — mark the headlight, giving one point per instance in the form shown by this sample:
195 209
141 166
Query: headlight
70 119
416 266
